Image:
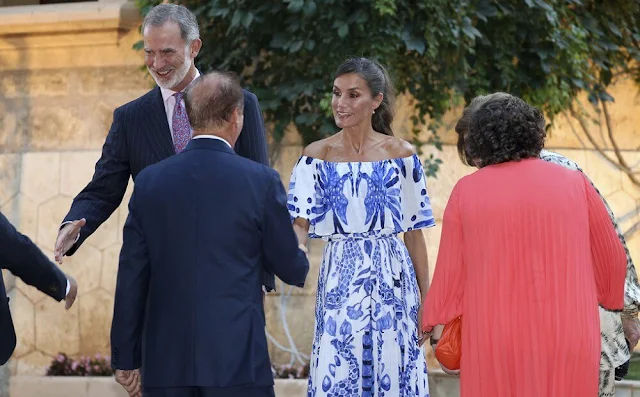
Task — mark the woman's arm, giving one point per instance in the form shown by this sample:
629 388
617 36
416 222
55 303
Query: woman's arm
414 240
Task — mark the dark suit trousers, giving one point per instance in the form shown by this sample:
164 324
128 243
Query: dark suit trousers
261 391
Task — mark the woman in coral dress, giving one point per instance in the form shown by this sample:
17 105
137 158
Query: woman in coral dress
526 254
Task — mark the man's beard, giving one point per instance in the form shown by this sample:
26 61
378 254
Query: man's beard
177 75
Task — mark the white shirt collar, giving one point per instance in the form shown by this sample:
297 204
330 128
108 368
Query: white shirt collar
213 137
168 93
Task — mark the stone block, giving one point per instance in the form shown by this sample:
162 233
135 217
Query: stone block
633 160
40 176
9 280
633 244
34 363
123 209
10 167
624 207
604 175
432 239
440 187
300 314
50 215
13 124
76 170
24 83
107 387
57 329
85 265
22 212
110 258
289 155
96 312
113 80
106 234
24 323
51 127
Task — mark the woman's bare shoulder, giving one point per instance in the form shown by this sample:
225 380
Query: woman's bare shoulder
319 149
399 148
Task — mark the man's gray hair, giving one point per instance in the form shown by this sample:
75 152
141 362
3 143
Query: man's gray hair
185 19
211 99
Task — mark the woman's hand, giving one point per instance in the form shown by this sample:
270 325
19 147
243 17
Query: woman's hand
450 371
423 336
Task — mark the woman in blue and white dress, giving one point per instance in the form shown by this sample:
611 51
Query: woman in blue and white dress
359 189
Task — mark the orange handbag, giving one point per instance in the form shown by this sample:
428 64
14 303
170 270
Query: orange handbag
449 348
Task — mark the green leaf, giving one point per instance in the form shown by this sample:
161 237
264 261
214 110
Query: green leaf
310 8
343 31
235 20
248 18
295 46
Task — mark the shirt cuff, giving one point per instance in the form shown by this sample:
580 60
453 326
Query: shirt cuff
67 222
68 288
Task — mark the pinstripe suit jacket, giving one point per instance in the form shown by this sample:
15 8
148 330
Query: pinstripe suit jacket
140 136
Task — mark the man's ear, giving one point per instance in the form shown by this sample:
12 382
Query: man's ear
194 48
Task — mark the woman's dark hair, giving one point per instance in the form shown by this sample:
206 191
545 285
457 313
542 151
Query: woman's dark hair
379 82
502 128
462 126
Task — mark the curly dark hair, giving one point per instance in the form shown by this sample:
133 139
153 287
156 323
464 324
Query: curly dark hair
503 128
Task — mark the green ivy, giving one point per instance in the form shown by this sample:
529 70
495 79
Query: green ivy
286 51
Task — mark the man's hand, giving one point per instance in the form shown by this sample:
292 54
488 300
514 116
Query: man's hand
67 236
631 327
131 381
73 292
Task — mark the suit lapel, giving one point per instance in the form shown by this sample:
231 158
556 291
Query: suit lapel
155 125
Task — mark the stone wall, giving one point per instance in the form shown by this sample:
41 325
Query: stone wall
63 69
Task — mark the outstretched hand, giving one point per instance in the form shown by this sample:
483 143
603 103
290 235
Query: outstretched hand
131 381
67 236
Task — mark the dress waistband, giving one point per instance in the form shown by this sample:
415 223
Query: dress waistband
375 235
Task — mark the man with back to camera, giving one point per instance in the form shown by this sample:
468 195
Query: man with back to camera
153 127
197 290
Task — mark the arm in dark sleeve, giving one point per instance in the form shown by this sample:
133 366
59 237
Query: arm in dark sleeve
102 196
23 258
252 142
132 287
279 242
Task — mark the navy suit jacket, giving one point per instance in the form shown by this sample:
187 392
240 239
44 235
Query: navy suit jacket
140 136
188 299
23 258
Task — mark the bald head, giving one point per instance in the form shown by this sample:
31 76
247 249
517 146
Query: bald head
214 105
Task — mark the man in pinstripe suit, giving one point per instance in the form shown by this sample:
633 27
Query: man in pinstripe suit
153 127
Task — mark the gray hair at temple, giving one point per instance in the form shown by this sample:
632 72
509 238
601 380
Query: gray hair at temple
211 99
462 126
163 13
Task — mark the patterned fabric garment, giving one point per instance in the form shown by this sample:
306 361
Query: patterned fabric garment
607 384
365 339
614 347
180 124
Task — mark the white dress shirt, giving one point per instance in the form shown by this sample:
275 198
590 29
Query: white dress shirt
213 137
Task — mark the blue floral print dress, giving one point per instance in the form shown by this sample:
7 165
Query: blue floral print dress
365 339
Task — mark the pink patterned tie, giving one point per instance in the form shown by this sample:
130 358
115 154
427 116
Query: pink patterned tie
180 124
